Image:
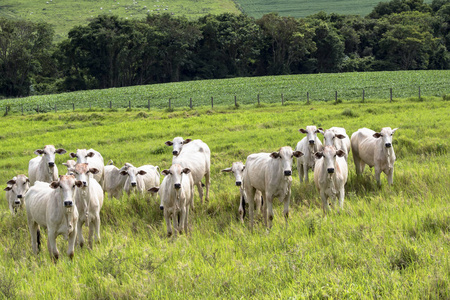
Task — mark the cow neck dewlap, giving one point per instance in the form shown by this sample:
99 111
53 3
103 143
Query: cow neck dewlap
390 156
287 186
331 185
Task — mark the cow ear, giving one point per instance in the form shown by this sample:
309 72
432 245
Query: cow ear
11 182
54 184
186 171
394 130
168 143
275 154
318 155
39 151
94 170
73 155
302 130
165 172
243 168
340 153
153 189
78 183
123 172
65 164
90 154
226 170
8 188
187 141
61 151
320 129
377 135
340 136
28 180
142 172
298 153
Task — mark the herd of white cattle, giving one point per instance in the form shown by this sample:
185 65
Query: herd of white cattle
64 203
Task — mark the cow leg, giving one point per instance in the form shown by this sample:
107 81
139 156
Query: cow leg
175 217
325 206
269 205
91 232
207 183
390 176
341 198
186 220
305 171
286 207
242 206
51 244
300 171
200 191
258 201
34 228
167 218
357 164
378 175
182 219
251 204
72 242
97 228
80 233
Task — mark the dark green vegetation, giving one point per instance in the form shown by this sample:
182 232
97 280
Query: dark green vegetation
114 52
391 242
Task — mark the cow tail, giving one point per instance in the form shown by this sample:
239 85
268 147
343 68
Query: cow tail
38 237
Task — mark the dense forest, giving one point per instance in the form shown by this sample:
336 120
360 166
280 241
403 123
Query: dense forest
114 52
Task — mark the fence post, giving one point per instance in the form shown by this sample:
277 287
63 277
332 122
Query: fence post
390 90
307 97
90 106
110 104
282 99
212 102
149 104
258 99
235 101
73 106
37 109
6 110
22 109
363 95
170 104
129 104
335 97
55 108
190 102
419 92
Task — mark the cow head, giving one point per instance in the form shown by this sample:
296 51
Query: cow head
48 154
81 173
82 155
66 184
237 168
329 155
70 164
285 155
386 133
19 186
311 134
329 136
177 144
132 172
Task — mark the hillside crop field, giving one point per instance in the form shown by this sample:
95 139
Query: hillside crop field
390 242
66 14
271 89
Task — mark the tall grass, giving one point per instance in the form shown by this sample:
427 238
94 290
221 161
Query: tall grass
390 242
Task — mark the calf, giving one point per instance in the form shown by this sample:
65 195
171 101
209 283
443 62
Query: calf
176 193
51 205
140 179
330 175
309 145
43 167
94 159
237 168
374 149
89 201
113 181
196 156
337 137
269 173
15 191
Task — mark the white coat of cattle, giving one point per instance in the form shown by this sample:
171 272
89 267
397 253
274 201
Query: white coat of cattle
374 149
337 137
309 145
89 201
237 168
70 164
15 191
52 206
196 156
43 167
93 158
140 179
114 181
269 173
330 176
176 193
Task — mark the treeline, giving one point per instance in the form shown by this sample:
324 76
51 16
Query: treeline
114 52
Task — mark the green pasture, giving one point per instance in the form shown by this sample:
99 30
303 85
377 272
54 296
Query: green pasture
389 243
66 14
271 89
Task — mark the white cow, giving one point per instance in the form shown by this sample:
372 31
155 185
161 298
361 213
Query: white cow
374 149
176 193
140 179
237 168
330 176
269 173
51 205
114 181
337 137
196 156
15 190
309 145
94 159
89 201
43 167
70 164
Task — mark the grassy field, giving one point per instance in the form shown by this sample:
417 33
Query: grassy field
391 242
66 14
294 88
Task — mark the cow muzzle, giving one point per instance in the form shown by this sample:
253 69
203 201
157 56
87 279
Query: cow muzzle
388 145
330 170
19 196
311 142
161 207
17 202
287 173
238 183
85 184
51 164
177 186
175 153
68 203
133 184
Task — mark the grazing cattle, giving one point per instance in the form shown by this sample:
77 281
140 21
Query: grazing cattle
309 145
140 179
94 159
114 181
70 164
269 173
196 156
176 193
51 205
374 149
89 201
337 137
330 176
15 191
237 168
43 167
